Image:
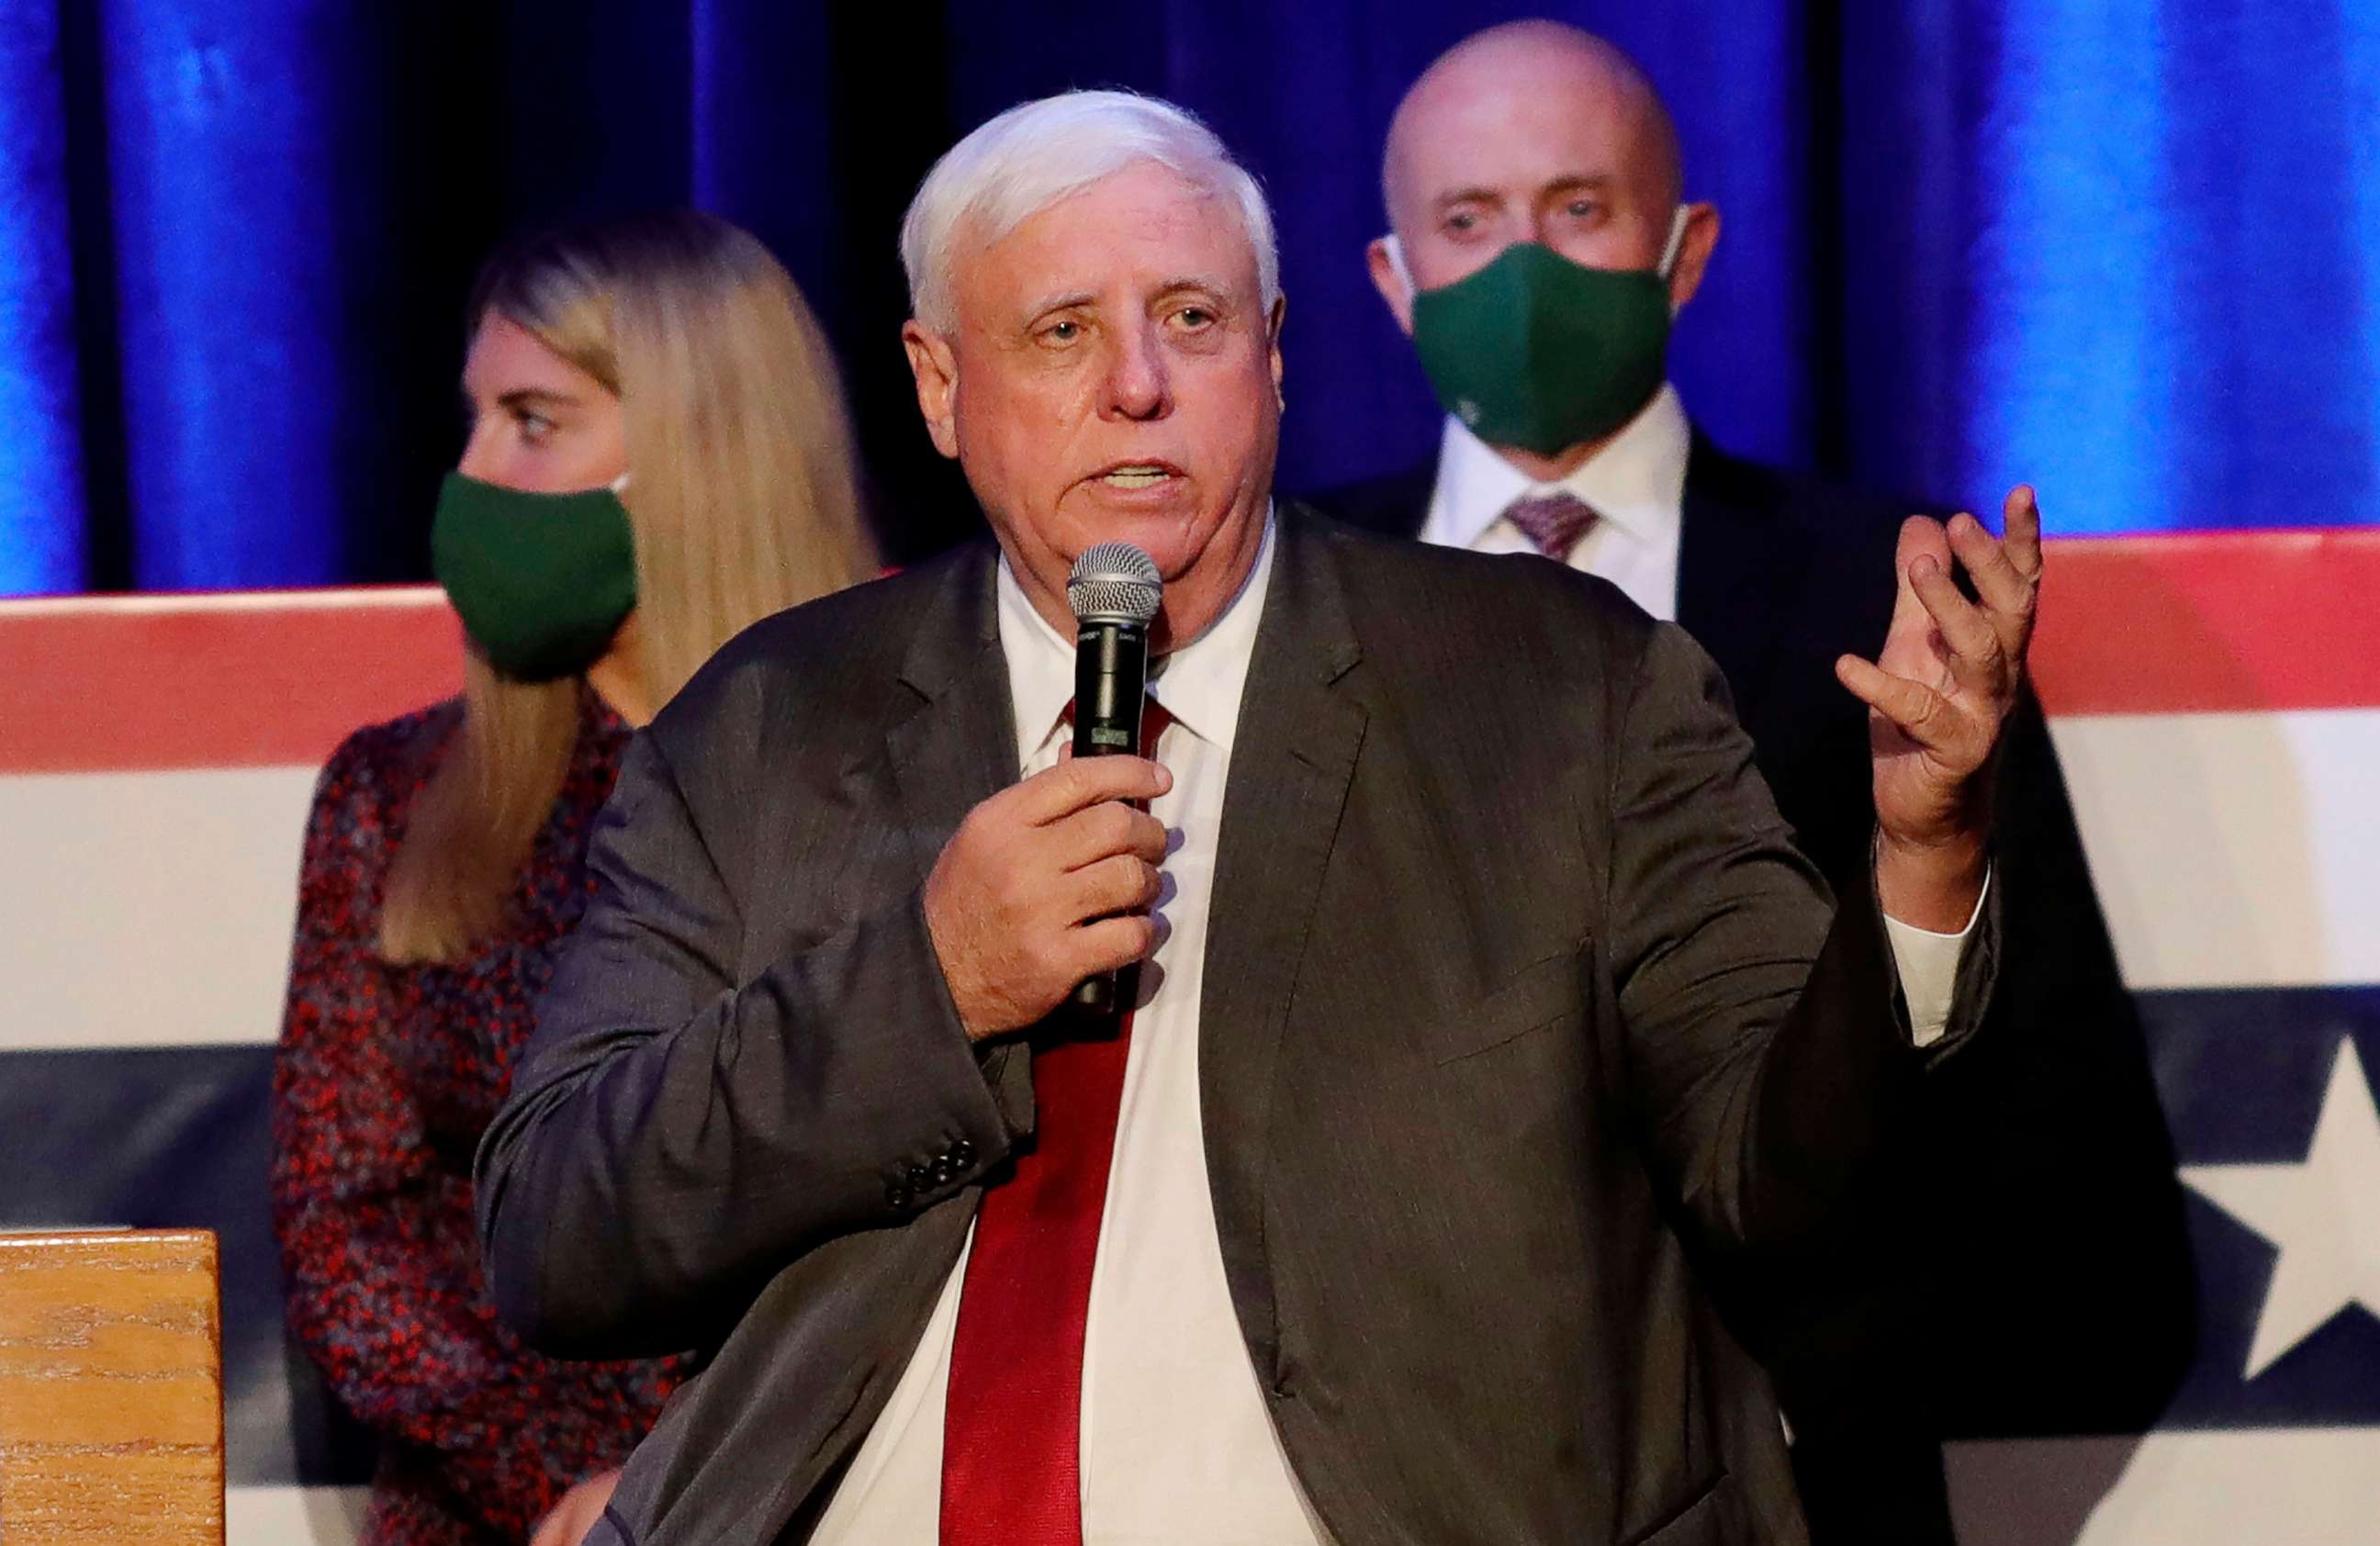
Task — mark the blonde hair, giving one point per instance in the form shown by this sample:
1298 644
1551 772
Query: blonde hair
742 498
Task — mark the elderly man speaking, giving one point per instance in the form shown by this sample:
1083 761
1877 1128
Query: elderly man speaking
1491 1037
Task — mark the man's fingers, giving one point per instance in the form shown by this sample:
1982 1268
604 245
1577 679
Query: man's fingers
2006 592
1106 944
2021 517
1916 708
1920 536
1058 793
1120 883
1977 655
1089 836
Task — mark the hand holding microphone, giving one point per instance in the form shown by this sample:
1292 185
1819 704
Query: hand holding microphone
1041 896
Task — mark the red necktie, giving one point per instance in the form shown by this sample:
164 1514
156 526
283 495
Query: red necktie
1012 1422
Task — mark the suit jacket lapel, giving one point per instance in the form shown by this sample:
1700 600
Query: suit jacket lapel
1294 759
1739 570
956 746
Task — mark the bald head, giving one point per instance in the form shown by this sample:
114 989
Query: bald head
1532 132
1554 87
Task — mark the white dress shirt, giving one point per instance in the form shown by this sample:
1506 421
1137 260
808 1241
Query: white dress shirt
1636 486
1177 1443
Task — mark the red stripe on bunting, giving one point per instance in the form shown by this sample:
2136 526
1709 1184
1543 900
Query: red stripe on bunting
232 680
2163 624
2208 622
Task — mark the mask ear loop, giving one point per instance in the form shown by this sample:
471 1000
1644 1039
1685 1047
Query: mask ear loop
1396 251
1675 244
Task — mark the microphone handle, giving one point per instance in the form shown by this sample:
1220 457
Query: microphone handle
1110 680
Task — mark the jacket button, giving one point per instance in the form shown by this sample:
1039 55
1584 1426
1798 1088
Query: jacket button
944 1172
920 1177
963 1153
898 1195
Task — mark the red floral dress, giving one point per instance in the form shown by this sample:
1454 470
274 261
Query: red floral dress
386 1078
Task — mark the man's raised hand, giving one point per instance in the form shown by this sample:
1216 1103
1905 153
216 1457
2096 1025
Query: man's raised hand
1939 698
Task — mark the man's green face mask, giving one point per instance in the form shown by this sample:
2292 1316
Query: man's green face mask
1539 352
541 581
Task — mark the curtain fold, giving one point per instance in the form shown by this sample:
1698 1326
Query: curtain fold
2129 249
43 515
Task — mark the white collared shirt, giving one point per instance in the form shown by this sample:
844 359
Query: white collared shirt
1176 1442
1636 486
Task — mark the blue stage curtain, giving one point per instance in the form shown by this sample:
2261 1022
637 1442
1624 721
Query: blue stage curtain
2129 249
43 514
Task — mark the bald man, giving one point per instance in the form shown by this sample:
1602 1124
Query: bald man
1540 245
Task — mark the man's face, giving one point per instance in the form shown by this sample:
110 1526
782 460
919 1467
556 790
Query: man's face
1114 377
1524 144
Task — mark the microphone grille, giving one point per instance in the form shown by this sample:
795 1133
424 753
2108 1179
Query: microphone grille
1114 581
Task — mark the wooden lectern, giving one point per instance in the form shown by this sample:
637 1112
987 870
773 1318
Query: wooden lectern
111 1389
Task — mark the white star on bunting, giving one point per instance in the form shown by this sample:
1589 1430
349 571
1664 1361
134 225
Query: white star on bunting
2323 1215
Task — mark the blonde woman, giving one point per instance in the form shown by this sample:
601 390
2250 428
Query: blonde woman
658 456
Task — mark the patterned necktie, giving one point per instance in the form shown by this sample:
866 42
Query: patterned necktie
1012 1422
1554 522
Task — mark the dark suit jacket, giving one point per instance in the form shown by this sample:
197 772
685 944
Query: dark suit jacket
2040 1279
1512 1051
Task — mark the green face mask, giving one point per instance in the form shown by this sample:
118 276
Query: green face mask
541 581
1539 352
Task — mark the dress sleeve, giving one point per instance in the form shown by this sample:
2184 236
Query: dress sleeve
379 1254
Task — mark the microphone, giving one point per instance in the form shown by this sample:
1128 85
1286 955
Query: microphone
1113 591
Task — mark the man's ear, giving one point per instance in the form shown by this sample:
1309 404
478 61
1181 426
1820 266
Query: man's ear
1390 279
1693 253
1272 330
936 367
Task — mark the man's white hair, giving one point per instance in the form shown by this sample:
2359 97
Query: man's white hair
1038 152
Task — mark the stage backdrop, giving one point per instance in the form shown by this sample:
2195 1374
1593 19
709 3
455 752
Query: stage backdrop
2216 701
2129 248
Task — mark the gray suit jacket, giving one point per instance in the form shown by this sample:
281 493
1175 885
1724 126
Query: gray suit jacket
1533 1068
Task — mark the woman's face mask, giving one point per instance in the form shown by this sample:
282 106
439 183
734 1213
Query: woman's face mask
541 582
